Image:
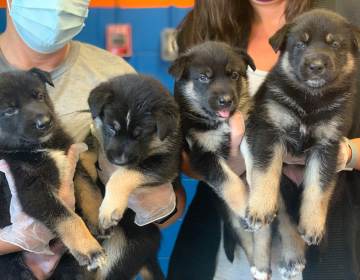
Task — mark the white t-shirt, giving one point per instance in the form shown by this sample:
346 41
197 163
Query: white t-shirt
240 268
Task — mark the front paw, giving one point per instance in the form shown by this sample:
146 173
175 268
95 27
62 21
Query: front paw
312 235
291 268
93 258
109 217
254 219
260 274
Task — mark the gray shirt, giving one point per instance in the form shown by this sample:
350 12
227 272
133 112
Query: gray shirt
83 69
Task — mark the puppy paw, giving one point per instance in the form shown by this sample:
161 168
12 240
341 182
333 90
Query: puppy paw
109 217
311 236
291 268
255 220
93 259
260 274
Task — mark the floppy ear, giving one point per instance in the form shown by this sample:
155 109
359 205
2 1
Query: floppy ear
277 41
178 66
356 32
99 97
44 76
166 120
247 58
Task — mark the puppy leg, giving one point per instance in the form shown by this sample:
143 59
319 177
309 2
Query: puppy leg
88 197
261 268
233 190
117 192
319 183
67 225
225 182
264 180
292 246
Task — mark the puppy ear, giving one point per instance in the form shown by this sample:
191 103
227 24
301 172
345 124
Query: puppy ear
356 32
277 41
166 121
247 58
44 76
99 97
178 66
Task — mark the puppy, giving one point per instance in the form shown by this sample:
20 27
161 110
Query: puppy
138 126
34 145
303 107
211 84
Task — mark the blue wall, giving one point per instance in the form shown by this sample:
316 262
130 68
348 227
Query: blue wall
146 26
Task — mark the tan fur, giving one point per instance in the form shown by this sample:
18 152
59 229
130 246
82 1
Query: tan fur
114 250
117 191
264 188
89 199
313 211
88 160
235 192
78 239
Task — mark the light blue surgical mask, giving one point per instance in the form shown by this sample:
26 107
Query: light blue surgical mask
47 25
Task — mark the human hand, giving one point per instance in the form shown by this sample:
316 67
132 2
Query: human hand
237 126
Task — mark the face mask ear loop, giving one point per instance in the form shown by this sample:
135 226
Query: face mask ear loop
8 5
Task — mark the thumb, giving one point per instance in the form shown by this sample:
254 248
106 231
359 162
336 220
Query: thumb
237 126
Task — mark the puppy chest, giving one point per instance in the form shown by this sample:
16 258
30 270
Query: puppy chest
211 140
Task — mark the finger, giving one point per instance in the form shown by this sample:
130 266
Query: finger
237 124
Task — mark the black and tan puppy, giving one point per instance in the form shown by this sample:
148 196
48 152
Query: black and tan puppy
138 124
211 84
304 107
35 146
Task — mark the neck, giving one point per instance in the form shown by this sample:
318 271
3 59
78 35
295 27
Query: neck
24 58
272 12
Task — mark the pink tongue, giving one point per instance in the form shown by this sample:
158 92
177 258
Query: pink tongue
224 113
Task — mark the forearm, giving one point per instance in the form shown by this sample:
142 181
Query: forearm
7 248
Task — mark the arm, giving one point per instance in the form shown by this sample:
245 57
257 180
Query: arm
7 248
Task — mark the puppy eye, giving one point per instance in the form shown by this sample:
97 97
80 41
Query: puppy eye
335 44
300 45
9 112
235 76
203 78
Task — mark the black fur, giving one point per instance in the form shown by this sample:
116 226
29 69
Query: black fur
130 112
311 91
216 74
29 134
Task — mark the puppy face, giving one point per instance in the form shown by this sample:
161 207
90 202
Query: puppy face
318 49
212 77
26 112
135 116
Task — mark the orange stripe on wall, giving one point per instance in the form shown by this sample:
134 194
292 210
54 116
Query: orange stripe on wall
132 4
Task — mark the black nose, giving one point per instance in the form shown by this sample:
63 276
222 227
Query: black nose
225 101
317 66
43 122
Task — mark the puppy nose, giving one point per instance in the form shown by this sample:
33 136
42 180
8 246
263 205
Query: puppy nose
225 101
317 66
43 122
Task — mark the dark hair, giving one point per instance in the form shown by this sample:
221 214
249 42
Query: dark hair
225 20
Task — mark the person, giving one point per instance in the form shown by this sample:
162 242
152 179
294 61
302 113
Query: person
198 251
39 34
